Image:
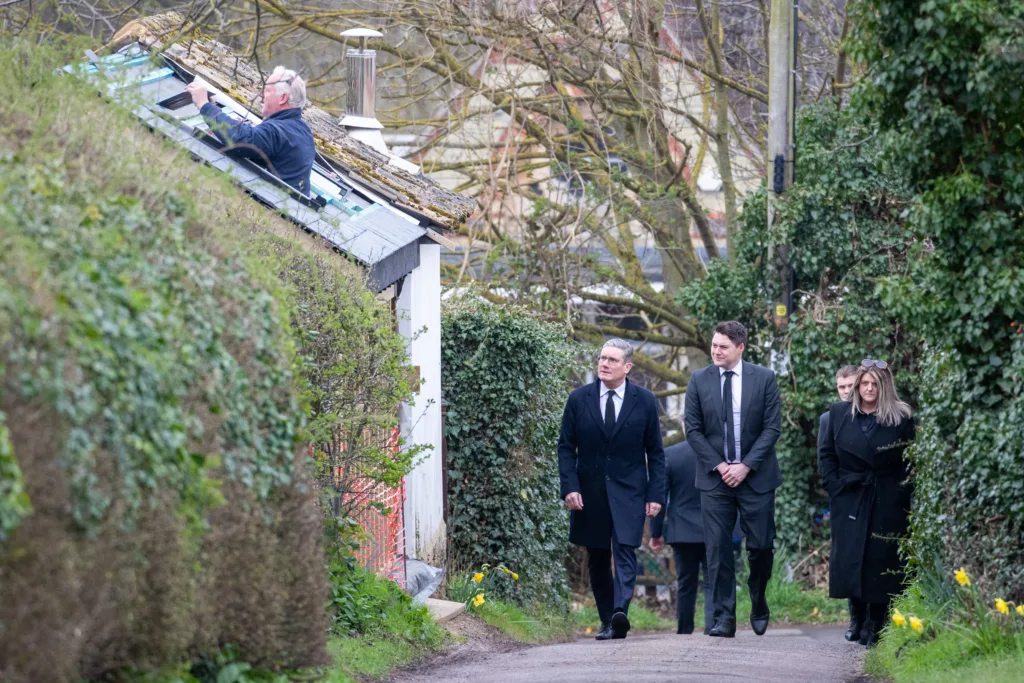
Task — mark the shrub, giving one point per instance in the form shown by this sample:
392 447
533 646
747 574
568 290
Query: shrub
154 503
505 379
945 83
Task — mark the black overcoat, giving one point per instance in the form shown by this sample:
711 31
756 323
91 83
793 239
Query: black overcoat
616 474
868 486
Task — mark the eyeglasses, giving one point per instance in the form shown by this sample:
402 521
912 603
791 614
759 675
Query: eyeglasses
869 363
610 359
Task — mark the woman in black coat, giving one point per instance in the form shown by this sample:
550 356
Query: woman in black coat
863 469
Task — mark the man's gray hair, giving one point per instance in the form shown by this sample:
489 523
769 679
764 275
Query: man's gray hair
291 84
622 345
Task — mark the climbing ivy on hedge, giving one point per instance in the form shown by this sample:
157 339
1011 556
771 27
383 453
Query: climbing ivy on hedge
845 221
136 349
947 78
505 378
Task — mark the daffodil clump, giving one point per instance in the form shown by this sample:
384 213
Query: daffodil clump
484 579
972 615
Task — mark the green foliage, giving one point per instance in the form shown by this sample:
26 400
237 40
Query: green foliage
844 223
150 345
961 632
537 624
355 367
363 603
947 80
14 502
473 587
505 376
152 504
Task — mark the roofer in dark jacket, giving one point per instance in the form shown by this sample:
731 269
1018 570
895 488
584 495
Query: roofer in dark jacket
282 142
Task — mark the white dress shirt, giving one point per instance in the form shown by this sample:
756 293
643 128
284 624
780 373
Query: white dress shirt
617 396
737 397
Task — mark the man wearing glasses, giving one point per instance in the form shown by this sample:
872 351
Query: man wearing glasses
282 142
612 470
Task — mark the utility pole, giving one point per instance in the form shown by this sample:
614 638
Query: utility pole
781 112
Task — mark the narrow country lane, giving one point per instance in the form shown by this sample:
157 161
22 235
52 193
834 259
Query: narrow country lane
785 655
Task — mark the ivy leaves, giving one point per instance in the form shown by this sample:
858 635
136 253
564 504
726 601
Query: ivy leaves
948 86
156 357
505 377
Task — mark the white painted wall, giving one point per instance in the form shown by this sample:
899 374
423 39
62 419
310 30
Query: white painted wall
419 307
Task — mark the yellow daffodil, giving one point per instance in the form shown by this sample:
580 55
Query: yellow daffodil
478 600
589 630
898 618
1020 610
1001 606
478 577
916 624
515 577
961 577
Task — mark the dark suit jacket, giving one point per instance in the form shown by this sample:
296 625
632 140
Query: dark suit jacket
617 473
869 494
685 523
760 426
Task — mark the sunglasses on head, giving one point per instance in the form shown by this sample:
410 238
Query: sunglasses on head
286 81
870 363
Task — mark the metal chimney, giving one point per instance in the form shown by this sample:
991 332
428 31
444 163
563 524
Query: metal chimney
361 70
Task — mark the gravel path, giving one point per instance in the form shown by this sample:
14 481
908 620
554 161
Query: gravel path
786 655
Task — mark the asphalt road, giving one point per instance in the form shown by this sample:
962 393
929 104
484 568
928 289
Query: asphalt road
786 655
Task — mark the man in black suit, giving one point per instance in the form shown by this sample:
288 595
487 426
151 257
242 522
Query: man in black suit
612 470
684 531
733 420
845 377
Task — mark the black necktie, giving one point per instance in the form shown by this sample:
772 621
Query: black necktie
609 412
730 426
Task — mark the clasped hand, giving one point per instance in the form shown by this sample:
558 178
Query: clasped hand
733 475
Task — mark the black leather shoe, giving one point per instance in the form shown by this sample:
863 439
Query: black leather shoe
759 624
853 633
605 633
869 634
683 631
707 630
620 625
723 629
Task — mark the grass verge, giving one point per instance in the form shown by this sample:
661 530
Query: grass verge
528 626
361 657
946 651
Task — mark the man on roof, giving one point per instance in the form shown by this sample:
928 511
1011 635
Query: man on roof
282 142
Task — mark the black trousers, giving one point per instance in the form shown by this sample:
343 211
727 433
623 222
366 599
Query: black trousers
757 520
691 560
877 612
612 593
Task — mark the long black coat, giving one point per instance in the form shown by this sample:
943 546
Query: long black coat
867 483
680 521
616 474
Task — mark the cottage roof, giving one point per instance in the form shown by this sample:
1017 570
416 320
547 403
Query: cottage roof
220 66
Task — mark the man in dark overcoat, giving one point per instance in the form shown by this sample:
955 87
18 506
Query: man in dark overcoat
680 525
612 470
844 385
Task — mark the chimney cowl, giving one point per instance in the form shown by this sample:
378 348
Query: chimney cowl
361 90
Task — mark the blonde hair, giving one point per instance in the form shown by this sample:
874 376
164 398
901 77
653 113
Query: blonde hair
295 88
889 409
